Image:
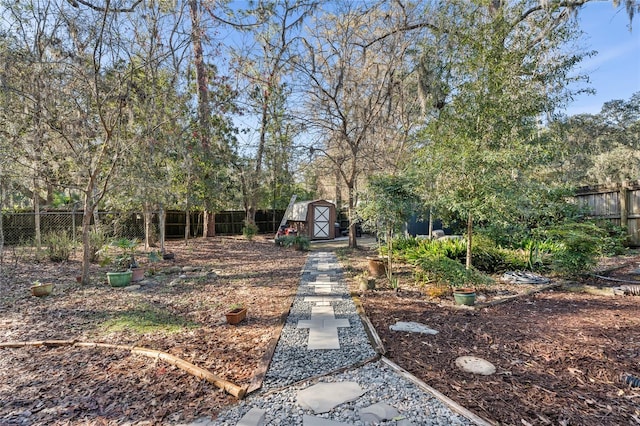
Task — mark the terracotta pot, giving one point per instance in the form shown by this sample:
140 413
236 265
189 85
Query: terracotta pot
137 274
237 315
377 266
42 290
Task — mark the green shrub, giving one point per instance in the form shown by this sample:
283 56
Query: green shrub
575 248
249 230
59 245
97 241
299 242
443 271
614 240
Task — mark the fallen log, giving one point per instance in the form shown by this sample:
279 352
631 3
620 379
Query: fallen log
229 387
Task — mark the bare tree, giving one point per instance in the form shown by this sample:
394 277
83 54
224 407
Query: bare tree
354 97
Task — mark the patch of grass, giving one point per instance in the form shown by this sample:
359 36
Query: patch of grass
147 319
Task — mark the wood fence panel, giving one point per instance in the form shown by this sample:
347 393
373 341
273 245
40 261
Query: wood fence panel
618 203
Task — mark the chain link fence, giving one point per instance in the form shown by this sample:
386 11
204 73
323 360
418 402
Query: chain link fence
20 228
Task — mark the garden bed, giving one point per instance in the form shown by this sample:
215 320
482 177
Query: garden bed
559 353
179 310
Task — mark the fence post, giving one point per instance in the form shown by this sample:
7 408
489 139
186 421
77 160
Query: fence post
624 206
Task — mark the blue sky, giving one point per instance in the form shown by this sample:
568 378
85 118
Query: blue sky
615 71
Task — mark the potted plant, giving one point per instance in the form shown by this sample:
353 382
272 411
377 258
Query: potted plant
236 313
385 207
464 296
39 289
124 262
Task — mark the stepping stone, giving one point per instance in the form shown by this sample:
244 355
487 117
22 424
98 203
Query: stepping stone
412 327
321 288
254 417
319 421
322 300
472 364
378 412
323 328
323 397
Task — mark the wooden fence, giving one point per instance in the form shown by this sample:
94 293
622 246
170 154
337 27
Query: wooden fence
619 203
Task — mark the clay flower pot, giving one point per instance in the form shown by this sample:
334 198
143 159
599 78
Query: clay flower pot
377 266
236 315
41 290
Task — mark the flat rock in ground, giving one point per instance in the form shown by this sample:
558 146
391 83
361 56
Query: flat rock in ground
475 365
412 327
319 421
322 397
378 412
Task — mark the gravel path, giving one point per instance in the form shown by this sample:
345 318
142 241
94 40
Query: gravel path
295 368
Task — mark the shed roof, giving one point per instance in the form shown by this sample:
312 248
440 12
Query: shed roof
299 210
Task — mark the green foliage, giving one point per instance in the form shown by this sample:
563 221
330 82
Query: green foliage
145 319
97 241
59 245
299 242
249 230
575 248
450 248
443 271
386 205
615 238
486 256
126 258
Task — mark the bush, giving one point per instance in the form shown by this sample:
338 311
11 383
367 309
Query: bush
59 245
443 271
97 241
249 230
299 242
576 247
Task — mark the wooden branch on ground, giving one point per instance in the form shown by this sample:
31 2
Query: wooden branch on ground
229 387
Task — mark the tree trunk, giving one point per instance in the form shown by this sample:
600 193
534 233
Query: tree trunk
469 233
187 226
209 225
148 217
36 215
353 243
162 218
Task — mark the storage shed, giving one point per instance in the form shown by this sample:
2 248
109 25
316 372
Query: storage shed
315 219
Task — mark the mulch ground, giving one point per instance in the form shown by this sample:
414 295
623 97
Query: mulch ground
559 353
181 312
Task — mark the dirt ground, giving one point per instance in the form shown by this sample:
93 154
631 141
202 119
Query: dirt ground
559 353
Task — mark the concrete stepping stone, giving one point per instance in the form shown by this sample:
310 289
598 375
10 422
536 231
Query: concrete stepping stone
378 412
319 421
323 397
323 328
412 327
321 288
254 417
475 365
322 300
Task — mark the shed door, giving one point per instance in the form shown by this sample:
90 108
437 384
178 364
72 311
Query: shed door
321 222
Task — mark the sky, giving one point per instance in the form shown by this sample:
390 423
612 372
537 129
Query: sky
615 71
